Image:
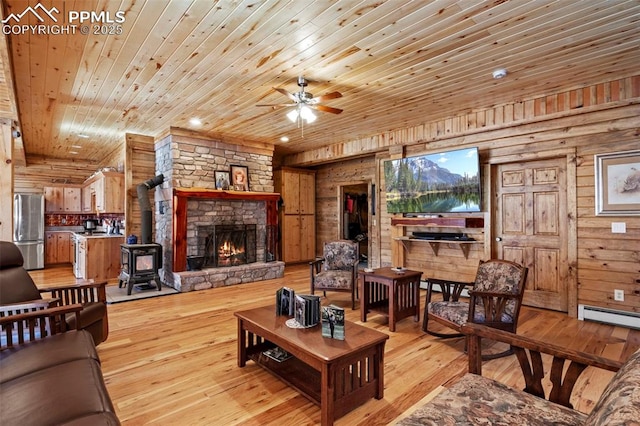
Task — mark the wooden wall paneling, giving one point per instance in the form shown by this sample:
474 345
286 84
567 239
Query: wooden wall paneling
6 181
39 173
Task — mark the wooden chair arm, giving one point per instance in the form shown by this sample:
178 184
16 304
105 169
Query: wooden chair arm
35 324
81 292
315 266
529 353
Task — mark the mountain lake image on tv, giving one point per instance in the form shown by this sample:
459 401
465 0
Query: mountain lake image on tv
434 183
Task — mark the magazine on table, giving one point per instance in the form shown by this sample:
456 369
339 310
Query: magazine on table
277 354
333 322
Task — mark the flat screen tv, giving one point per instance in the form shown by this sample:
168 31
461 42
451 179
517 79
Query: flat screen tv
434 183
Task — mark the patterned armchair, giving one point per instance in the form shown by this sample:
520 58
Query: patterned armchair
338 269
495 299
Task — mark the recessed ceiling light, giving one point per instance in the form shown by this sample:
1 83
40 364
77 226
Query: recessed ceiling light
73 152
83 136
195 122
499 73
284 139
76 146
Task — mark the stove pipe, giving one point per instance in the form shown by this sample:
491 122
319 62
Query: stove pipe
146 211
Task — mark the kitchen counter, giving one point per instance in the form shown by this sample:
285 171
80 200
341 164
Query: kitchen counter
97 235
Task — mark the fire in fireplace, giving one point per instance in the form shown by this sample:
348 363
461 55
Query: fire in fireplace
228 245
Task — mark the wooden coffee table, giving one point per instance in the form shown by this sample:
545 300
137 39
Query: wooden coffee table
337 375
395 294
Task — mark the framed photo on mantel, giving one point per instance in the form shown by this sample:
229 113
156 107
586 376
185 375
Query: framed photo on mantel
240 178
617 177
222 179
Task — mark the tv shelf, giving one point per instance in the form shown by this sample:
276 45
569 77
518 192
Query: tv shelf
399 234
449 222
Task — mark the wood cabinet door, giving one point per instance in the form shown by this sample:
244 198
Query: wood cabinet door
62 247
307 237
53 199
98 187
72 199
531 227
86 198
50 248
291 192
307 193
291 238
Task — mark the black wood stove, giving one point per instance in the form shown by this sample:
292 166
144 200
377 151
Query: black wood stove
139 265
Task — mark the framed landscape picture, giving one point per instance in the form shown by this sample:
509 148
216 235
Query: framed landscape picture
617 178
240 178
222 179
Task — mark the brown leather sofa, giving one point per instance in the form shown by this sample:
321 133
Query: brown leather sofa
56 380
17 287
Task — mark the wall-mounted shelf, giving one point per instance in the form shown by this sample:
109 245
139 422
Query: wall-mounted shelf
449 222
435 244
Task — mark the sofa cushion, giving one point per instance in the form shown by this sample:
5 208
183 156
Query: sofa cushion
477 400
619 404
40 354
56 395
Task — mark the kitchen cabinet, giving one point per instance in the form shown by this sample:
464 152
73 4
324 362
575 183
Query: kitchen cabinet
98 257
104 193
58 247
297 214
62 199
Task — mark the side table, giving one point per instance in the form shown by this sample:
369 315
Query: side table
392 293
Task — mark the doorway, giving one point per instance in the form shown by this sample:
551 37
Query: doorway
531 227
354 217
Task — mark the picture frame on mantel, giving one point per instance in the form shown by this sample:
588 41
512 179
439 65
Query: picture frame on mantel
617 179
222 179
239 177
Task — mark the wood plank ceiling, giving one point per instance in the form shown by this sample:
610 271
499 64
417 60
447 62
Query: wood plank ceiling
397 64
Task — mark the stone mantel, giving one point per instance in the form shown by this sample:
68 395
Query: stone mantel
180 199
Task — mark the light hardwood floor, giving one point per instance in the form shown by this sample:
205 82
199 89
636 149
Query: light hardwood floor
172 360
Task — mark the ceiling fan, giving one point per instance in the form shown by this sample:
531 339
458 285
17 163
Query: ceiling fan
304 102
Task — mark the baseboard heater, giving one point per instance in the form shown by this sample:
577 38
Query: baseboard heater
609 316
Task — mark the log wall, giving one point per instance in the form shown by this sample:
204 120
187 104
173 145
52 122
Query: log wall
140 166
574 125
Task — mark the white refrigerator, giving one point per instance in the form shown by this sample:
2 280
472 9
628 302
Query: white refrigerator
28 228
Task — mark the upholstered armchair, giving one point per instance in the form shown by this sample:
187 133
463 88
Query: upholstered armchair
337 270
494 300
17 288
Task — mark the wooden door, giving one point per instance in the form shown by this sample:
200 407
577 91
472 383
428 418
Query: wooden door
531 227
307 237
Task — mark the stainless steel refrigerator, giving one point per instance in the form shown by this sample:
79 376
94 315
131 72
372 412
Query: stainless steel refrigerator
28 228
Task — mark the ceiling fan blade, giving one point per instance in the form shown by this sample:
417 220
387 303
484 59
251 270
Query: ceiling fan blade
276 105
326 109
284 92
326 97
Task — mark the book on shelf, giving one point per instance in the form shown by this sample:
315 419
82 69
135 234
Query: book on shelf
285 301
333 322
307 309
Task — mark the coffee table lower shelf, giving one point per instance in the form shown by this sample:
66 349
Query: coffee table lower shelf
294 373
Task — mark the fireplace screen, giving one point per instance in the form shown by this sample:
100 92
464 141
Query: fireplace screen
230 245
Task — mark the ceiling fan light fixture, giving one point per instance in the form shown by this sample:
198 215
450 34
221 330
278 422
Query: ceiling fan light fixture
293 115
307 115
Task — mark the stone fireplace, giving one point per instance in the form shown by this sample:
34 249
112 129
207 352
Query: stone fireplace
234 232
